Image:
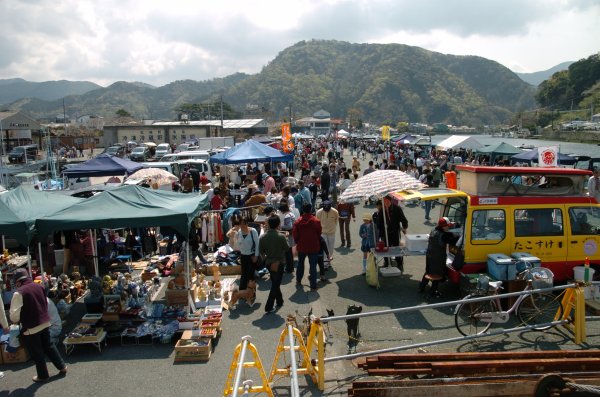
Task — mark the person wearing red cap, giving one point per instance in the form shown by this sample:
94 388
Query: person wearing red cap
29 308
435 258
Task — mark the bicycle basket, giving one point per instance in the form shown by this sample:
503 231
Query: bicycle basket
541 277
483 283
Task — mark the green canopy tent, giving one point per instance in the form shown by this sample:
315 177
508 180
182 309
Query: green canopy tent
21 207
128 206
501 149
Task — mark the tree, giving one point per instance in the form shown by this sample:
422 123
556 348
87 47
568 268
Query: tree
354 117
122 113
208 110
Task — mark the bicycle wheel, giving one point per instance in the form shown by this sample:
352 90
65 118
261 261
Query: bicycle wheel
466 317
539 309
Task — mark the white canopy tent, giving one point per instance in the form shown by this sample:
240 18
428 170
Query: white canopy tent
459 141
343 133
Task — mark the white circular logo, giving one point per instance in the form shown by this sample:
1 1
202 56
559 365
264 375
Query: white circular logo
590 247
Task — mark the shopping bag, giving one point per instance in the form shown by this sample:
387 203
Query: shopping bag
372 275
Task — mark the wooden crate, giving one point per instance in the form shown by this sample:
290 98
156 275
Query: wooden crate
177 296
148 276
184 352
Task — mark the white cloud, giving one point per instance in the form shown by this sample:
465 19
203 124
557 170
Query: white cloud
157 42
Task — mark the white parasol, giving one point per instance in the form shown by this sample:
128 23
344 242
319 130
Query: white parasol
380 183
157 175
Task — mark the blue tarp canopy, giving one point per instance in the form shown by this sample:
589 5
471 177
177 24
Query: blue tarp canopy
103 165
19 209
249 152
532 156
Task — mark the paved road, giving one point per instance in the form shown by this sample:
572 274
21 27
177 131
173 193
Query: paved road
149 370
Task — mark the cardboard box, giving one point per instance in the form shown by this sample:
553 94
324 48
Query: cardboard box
501 267
177 296
416 242
20 356
186 350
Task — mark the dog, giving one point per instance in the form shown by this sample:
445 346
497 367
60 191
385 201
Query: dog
249 294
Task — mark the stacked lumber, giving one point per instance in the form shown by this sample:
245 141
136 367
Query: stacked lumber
485 373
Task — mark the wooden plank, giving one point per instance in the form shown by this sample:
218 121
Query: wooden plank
398 372
482 389
510 389
581 378
512 366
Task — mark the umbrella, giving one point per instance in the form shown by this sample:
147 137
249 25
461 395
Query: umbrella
380 183
150 144
157 175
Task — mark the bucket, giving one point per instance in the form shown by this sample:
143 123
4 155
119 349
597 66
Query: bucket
579 275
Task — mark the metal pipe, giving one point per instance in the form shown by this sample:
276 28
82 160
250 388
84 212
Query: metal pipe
442 341
41 264
29 262
94 251
295 389
238 373
3 242
442 304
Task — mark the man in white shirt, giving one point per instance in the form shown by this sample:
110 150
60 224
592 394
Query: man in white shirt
594 185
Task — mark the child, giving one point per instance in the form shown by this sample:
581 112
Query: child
368 239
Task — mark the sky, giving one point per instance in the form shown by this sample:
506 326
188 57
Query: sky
159 41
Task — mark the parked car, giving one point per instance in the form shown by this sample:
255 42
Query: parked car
23 154
162 149
140 154
118 151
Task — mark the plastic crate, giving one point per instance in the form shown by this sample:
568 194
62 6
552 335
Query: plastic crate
501 267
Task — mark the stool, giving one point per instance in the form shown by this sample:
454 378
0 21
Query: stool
125 261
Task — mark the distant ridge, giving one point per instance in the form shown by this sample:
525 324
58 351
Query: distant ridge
381 83
536 78
16 89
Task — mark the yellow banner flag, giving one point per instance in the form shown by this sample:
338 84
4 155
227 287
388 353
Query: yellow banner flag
385 133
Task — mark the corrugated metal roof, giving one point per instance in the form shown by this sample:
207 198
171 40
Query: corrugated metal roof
241 123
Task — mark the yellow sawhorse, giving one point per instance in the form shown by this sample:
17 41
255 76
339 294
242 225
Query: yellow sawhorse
308 366
238 364
574 300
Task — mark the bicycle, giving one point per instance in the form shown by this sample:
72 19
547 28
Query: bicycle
475 318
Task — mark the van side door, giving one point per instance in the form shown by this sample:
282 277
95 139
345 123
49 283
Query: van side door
583 238
540 230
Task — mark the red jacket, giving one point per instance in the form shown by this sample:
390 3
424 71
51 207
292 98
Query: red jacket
307 234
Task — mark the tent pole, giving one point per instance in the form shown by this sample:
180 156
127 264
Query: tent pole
187 264
3 243
29 261
94 250
41 264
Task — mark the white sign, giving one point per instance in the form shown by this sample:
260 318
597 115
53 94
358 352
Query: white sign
488 200
590 247
548 156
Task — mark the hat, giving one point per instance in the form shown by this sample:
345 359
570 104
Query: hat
253 186
20 274
444 221
367 217
265 175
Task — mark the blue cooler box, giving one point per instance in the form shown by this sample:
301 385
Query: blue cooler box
531 260
501 267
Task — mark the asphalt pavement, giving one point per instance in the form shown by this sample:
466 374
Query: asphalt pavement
149 369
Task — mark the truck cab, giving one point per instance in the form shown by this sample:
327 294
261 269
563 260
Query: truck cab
542 211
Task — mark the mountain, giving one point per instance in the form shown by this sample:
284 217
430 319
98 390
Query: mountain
16 89
536 78
380 82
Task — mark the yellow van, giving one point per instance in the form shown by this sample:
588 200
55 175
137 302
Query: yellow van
542 211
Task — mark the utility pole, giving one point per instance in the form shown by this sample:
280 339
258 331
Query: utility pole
221 113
